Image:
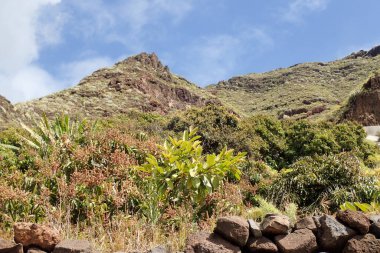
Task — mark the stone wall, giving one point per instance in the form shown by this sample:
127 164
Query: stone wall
346 232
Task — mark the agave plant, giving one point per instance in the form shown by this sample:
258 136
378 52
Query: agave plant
60 132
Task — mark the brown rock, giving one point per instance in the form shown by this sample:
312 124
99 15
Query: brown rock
301 241
275 224
10 247
332 235
261 245
234 229
354 220
307 222
204 242
363 244
31 234
254 228
74 246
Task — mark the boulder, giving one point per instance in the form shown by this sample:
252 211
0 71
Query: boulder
275 224
35 250
307 222
204 242
10 247
261 245
73 246
31 234
374 218
354 220
254 228
234 229
301 241
333 235
363 244
375 229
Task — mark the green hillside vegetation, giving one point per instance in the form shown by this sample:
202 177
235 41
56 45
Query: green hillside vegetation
313 90
142 179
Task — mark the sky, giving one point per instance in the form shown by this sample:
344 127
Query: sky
49 45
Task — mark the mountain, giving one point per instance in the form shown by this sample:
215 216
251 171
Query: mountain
140 82
364 106
309 90
315 90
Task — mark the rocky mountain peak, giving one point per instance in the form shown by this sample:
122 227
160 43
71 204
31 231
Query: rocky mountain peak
147 60
373 52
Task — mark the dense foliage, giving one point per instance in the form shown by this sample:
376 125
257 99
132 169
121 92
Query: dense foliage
85 174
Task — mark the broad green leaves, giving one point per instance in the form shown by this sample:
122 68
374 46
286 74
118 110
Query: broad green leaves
183 172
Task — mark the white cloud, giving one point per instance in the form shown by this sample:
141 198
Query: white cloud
73 72
297 9
20 78
124 21
214 58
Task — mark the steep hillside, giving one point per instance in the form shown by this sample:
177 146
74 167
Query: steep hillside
7 114
139 82
314 90
364 106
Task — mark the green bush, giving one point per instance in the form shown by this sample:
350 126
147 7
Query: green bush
183 174
323 182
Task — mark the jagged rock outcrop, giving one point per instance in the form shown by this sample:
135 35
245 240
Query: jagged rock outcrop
140 82
7 113
364 107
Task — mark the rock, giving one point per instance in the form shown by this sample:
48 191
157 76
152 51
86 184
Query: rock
254 228
35 250
375 229
363 244
354 220
31 234
307 222
261 245
301 241
73 246
275 224
234 229
374 218
203 242
10 247
333 235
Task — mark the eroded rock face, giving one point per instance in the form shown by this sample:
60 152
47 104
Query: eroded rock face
235 229
354 220
10 247
31 234
363 244
73 246
333 235
364 106
301 241
203 242
261 245
274 224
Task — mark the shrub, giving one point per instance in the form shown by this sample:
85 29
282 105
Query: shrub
184 174
323 182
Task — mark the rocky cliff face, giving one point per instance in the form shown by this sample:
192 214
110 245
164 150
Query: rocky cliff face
364 107
140 82
7 113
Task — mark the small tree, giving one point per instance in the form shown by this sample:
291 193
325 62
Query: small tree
183 172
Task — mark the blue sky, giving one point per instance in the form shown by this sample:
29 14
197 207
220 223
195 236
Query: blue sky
49 45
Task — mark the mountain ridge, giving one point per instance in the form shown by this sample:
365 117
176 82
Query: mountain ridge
142 82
